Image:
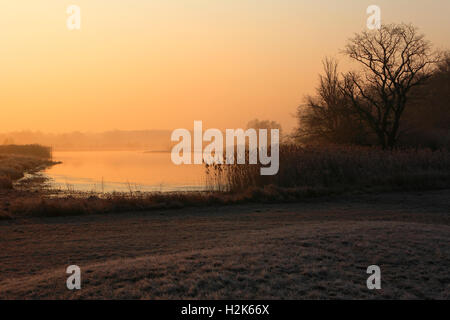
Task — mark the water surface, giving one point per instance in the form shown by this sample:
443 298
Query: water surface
122 171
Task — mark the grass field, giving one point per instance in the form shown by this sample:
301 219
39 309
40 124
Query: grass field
318 249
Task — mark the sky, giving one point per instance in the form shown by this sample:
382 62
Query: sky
161 64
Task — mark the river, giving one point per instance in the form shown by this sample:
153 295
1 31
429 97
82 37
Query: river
123 171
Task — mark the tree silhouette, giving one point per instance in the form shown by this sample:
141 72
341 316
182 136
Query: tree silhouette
393 60
326 116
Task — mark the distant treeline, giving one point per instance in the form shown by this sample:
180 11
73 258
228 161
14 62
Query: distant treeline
34 150
149 140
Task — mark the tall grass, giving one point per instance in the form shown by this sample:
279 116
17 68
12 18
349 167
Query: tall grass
339 168
41 205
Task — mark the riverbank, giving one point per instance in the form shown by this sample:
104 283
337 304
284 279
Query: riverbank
305 173
17 161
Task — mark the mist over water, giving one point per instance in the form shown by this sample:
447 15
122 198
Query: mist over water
123 171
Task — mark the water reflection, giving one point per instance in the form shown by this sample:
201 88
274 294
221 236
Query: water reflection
122 171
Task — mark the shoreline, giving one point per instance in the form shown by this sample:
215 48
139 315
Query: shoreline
307 173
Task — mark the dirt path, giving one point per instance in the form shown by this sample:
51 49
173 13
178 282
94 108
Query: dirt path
317 249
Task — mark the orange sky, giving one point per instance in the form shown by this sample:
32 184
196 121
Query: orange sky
162 64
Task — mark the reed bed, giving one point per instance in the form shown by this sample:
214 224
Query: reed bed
339 168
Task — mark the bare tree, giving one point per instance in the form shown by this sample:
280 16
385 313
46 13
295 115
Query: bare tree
393 60
326 116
